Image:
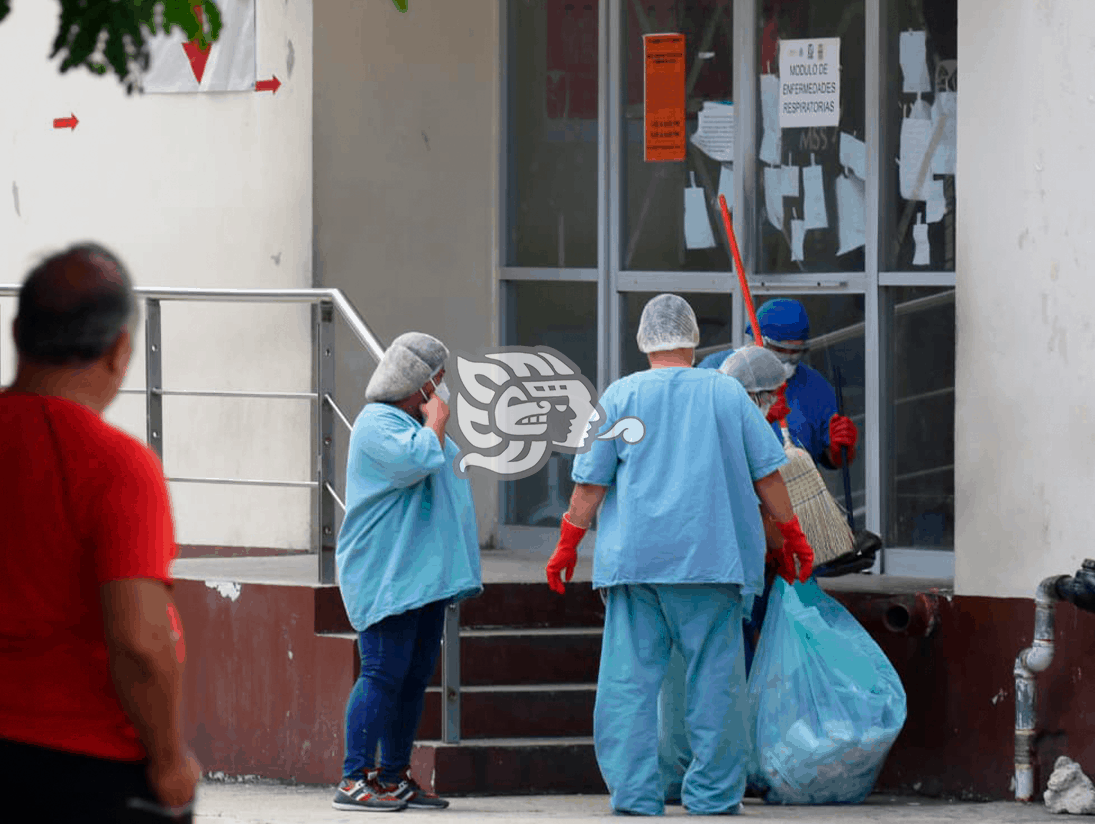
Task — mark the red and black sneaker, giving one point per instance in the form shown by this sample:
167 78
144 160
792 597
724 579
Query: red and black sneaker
358 794
413 794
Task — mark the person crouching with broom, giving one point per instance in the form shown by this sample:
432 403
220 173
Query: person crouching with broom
764 377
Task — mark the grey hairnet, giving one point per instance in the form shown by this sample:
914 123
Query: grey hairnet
667 322
757 368
408 363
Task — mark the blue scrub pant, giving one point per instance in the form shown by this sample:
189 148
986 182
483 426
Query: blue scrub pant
643 624
674 754
398 657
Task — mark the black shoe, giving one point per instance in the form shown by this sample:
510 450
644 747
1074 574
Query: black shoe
414 794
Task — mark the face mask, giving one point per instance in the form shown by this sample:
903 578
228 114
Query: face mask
764 401
791 358
440 389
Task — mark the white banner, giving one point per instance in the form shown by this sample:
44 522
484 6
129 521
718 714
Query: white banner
228 66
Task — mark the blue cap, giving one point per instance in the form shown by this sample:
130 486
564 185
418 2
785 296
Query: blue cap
782 319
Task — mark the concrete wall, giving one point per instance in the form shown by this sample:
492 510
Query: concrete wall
406 154
199 190
1026 343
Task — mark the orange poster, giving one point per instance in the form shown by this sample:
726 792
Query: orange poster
663 96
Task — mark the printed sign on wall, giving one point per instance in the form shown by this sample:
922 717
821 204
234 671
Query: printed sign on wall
228 65
663 96
809 82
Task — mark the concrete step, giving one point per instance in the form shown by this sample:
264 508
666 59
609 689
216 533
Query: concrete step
522 711
538 765
501 605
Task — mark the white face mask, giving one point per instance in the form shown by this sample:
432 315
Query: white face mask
764 401
440 389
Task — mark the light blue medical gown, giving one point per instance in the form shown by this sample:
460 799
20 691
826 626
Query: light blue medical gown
409 536
680 506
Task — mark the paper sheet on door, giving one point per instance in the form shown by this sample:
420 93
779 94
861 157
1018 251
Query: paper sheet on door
813 198
849 213
726 183
853 155
937 201
715 132
773 195
923 254
790 181
697 227
798 238
770 149
914 63
914 173
945 110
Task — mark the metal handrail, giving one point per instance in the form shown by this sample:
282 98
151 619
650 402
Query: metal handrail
335 300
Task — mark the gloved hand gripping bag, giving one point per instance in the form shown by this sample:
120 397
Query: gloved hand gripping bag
825 703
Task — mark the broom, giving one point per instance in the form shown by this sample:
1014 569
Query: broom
822 520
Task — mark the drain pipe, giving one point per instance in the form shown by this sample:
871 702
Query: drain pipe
1080 591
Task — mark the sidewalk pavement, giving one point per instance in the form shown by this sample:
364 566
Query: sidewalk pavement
267 801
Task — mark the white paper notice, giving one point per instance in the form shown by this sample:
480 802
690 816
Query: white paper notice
697 227
923 254
914 63
770 149
915 137
853 155
813 198
849 212
798 237
809 91
920 110
715 134
726 183
790 181
945 110
937 201
773 195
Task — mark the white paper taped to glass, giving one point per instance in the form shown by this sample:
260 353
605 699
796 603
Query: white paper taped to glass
715 133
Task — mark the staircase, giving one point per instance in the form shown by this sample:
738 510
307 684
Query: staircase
528 668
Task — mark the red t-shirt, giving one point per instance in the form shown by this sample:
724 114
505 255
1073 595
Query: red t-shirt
81 503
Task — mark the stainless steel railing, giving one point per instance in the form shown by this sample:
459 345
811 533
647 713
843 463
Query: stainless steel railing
328 303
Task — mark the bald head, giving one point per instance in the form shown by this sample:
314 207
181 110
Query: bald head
73 306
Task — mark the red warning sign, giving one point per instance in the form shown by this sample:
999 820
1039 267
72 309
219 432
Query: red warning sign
663 97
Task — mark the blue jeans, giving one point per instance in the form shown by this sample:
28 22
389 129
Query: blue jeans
398 657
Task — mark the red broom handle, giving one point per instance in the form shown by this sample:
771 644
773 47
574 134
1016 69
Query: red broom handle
726 222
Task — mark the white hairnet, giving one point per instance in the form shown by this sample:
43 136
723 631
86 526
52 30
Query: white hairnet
667 322
757 368
411 360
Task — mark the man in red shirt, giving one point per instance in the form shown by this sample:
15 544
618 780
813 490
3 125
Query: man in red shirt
91 650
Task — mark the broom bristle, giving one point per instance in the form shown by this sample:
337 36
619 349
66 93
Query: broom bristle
822 519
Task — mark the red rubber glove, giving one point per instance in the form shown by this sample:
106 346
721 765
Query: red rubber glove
842 433
783 561
779 410
565 555
796 546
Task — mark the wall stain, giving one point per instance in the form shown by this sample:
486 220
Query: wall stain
276 259
15 196
290 59
425 138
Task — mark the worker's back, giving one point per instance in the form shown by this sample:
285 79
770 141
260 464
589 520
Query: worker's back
681 505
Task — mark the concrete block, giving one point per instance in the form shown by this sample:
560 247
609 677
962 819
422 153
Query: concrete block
1069 789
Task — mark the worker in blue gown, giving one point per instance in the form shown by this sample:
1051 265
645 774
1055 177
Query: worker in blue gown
762 375
679 555
813 420
407 549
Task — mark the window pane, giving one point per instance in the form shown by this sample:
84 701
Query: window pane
562 316
713 312
921 460
810 201
552 186
653 232
922 83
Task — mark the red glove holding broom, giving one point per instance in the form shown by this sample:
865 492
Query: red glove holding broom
565 555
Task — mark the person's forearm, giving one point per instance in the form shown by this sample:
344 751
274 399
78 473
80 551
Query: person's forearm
148 680
774 497
584 502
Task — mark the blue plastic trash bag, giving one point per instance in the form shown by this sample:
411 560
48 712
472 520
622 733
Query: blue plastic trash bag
826 704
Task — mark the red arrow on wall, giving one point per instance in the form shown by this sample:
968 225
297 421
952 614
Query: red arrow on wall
65 122
268 85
